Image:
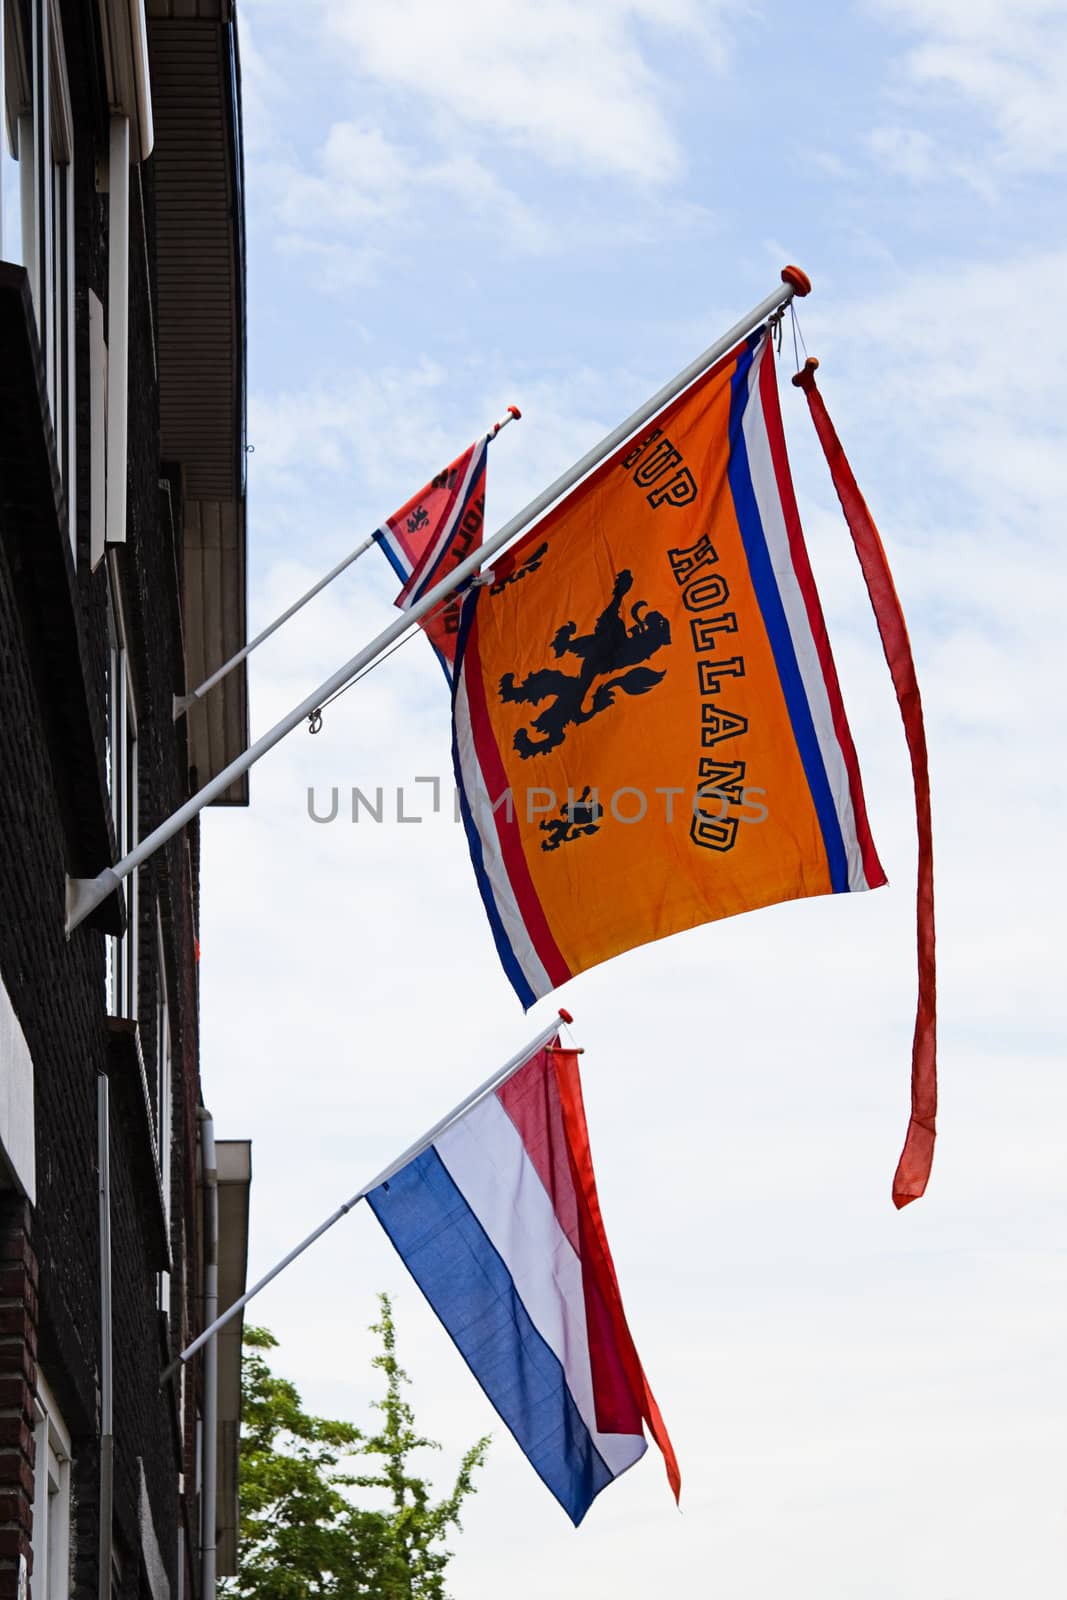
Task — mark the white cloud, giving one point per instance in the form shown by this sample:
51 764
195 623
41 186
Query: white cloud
908 151
454 101
919 157
567 81
364 183
336 268
372 439
1007 57
265 92
361 431
973 351
484 194
364 178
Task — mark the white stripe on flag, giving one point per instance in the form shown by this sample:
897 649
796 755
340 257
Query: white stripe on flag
769 504
448 528
492 860
386 536
487 1160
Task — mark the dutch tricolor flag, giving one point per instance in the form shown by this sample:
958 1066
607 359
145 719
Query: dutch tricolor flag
499 1224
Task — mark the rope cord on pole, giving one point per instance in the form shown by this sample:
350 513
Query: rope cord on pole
797 332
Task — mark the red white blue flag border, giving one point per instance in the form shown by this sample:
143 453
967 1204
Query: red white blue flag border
418 575
509 1273
770 527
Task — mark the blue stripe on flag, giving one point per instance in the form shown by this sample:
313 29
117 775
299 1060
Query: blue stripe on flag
508 959
461 1273
445 668
403 572
770 602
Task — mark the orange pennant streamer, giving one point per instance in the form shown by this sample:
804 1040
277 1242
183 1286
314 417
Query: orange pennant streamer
913 1169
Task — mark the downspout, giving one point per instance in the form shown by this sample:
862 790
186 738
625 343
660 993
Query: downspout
107 1438
209 1485
124 36
141 85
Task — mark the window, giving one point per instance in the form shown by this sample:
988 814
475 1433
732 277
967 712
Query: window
51 1499
122 778
10 204
164 1108
97 431
60 269
164 1092
40 135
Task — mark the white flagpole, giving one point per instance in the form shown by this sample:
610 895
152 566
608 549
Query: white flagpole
494 1081
184 702
85 894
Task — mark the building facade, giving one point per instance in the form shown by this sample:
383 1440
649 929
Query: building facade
122 584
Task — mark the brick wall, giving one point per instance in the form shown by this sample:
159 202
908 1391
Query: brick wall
18 1374
49 1253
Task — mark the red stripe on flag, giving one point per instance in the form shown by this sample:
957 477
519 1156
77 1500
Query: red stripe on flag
452 542
913 1169
496 783
768 382
414 544
598 1274
531 1100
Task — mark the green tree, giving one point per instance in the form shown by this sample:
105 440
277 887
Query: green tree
303 1536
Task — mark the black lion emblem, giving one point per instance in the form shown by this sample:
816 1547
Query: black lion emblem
575 820
610 648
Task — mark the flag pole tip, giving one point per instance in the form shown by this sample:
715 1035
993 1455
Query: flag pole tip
799 280
806 376
566 1016
511 415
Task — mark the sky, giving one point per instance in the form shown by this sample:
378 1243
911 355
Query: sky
453 208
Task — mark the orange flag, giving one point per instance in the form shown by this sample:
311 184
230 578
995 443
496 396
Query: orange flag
648 729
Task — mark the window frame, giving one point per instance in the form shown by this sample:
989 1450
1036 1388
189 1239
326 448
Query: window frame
164 1107
51 1497
36 105
62 267
8 133
97 430
123 787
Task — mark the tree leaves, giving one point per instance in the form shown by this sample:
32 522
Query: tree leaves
303 1537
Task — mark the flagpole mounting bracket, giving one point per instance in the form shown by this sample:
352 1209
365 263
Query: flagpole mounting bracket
86 895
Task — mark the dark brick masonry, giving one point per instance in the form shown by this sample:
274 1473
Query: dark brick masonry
54 818
18 1376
